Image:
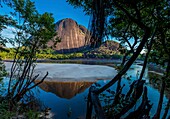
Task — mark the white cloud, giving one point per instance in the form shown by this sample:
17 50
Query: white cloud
8 33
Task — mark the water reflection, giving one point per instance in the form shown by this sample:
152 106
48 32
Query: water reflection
65 89
155 81
48 95
67 95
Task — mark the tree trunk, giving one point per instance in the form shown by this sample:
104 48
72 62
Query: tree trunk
157 115
166 110
128 64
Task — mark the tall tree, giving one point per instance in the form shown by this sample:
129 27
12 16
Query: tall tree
5 21
98 10
32 32
142 18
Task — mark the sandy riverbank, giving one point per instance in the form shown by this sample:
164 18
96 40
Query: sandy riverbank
71 72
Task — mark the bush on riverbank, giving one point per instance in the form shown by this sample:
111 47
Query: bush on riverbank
19 111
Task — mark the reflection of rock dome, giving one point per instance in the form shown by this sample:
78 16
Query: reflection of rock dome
65 89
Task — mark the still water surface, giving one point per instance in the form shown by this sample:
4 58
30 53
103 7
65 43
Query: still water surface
66 97
67 100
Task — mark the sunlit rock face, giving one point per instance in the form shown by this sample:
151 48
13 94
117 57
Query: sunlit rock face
72 36
65 89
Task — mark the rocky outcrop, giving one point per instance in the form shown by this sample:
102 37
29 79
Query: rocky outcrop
108 48
72 36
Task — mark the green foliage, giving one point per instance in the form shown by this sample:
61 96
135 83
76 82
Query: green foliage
59 56
33 31
5 21
85 4
4 112
142 21
8 55
30 114
39 26
48 53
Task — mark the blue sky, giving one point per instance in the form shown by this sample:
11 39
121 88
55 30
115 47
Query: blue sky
60 9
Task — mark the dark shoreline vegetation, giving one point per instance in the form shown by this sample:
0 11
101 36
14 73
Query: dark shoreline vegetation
53 55
56 56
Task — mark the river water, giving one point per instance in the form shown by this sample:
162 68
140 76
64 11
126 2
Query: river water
67 100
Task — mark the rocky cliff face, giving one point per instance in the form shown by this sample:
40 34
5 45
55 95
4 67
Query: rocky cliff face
72 36
108 47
